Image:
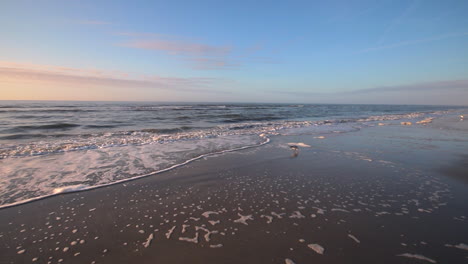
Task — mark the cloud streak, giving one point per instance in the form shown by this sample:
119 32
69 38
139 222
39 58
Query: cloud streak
448 85
198 55
448 92
93 22
425 86
398 20
415 41
180 48
20 72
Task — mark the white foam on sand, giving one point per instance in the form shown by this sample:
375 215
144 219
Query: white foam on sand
416 256
459 246
70 188
317 248
208 213
148 240
425 121
354 238
243 219
462 246
339 210
277 215
212 222
216 246
269 218
296 214
319 210
191 240
76 166
169 232
184 228
299 144
208 232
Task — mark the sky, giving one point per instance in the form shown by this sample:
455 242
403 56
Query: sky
378 52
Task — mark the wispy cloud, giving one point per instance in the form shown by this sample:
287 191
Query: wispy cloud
349 10
448 92
447 85
398 20
93 22
424 86
12 71
203 63
180 48
198 55
415 41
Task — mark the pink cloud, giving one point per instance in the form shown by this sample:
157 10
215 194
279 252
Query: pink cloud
93 22
14 71
200 56
212 63
180 48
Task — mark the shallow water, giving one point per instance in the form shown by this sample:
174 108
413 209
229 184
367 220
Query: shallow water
52 147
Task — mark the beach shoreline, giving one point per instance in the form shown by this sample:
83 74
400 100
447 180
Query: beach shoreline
380 194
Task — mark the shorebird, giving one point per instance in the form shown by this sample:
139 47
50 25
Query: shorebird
295 149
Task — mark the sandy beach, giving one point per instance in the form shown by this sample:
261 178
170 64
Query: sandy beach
383 194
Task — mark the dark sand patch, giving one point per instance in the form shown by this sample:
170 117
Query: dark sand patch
458 170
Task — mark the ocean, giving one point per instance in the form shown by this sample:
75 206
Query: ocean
47 148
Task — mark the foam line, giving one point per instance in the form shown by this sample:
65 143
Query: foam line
82 188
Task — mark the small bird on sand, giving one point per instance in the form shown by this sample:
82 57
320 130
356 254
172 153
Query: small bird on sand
295 149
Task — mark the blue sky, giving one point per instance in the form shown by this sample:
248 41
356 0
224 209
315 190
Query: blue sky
412 51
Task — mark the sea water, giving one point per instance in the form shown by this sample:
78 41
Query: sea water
48 148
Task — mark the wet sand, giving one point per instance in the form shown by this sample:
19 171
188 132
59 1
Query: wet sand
390 194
